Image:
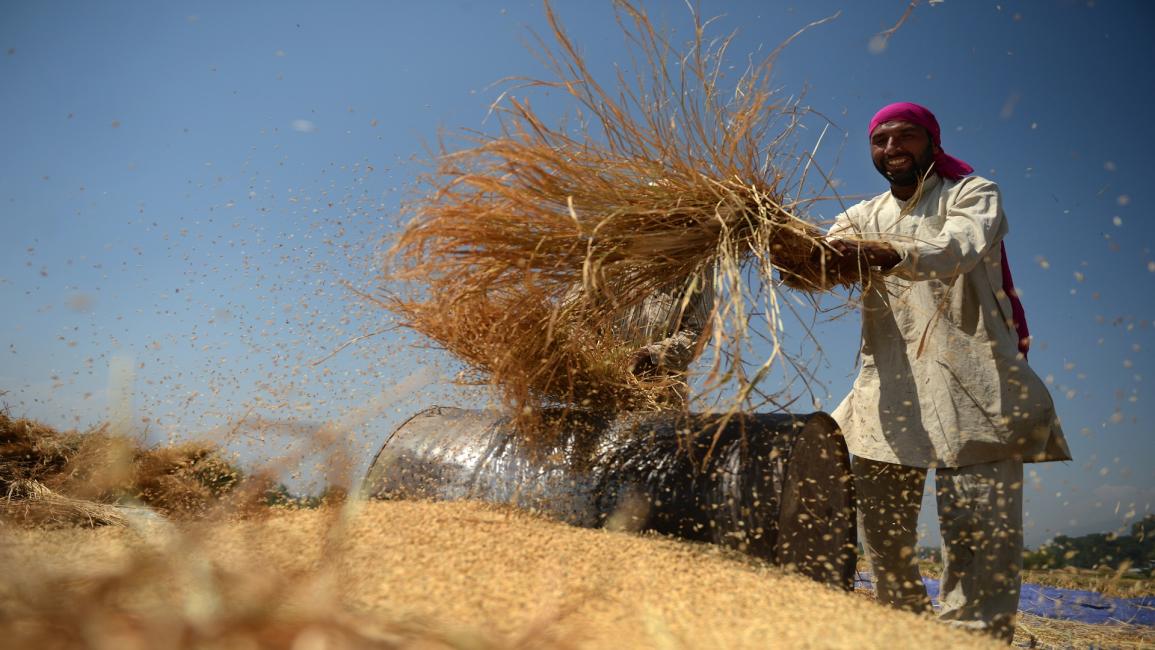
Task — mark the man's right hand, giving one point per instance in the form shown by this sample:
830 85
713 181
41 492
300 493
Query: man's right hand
850 255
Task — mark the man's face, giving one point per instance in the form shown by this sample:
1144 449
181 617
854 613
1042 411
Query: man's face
902 152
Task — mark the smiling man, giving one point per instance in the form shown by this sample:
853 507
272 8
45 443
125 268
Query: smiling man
944 380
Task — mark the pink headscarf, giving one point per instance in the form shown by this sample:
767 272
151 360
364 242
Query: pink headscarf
945 165
953 169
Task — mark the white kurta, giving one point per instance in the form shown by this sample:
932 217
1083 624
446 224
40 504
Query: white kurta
942 382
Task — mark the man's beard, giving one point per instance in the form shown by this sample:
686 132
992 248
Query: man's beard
910 176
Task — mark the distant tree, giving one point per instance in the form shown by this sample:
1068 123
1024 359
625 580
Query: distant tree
1098 549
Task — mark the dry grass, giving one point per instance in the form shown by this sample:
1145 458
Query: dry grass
1039 632
1108 582
73 478
32 504
1047 633
528 246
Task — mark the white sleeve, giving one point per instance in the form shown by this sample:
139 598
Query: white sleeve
974 223
844 224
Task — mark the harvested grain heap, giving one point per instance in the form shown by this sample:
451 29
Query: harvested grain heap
529 245
391 575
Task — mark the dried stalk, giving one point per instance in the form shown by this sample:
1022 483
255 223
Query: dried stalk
528 245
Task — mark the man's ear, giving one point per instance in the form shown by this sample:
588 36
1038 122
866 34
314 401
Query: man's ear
934 148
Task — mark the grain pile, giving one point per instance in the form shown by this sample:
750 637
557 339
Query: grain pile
526 247
399 574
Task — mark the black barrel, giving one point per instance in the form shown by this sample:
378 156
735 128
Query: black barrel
775 486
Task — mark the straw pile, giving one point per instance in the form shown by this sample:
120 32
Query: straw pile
529 245
52 478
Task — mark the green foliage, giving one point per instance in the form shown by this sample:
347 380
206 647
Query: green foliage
281 497
1136 550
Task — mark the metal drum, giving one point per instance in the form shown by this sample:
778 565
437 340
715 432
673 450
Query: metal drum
775 486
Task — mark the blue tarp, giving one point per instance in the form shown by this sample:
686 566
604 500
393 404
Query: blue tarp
1067 604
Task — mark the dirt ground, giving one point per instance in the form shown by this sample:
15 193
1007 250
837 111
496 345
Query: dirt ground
422 575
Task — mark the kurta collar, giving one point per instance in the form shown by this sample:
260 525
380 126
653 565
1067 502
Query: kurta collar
932 181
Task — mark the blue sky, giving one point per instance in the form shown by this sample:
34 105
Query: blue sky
187 189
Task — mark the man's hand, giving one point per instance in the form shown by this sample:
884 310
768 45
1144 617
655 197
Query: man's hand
865 252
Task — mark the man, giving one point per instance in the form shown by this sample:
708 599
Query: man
944 381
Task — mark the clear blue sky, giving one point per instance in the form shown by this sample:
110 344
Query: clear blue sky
186 187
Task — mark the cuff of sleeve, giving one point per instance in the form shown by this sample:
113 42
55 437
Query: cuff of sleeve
905 264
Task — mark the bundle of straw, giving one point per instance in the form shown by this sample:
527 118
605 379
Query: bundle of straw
528 245
32 504
49 476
